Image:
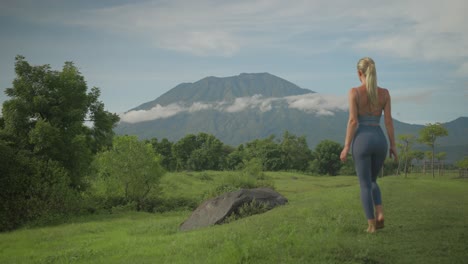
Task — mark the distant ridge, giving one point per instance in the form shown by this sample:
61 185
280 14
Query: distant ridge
175 119
212 89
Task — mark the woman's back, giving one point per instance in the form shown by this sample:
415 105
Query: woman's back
364 107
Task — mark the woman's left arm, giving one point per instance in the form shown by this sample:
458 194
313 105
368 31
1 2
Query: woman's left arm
352 124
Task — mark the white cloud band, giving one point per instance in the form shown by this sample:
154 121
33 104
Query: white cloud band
311 103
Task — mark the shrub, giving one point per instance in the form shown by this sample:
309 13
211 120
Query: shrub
34 190
246 210
130 170
234 182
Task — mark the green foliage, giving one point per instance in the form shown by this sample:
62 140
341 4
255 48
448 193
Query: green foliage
295 152
46 113
198 152
33 189
327 158
205 177
164 149
253 168
234 160
130 170
390 167
463 163
348 167
418 154
246 210
268 151
251 177
322 223
441 156
428 135
405 144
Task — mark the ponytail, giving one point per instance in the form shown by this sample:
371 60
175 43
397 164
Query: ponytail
371 84
367 67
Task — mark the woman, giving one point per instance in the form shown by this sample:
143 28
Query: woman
369 145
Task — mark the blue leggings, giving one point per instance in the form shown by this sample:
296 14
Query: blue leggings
369 151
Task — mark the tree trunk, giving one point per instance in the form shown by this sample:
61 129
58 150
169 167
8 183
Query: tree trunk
432 163
406 166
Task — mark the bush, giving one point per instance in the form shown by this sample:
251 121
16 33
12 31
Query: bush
390 167
34 190
234 182
205 177
246 210
253 168
130 170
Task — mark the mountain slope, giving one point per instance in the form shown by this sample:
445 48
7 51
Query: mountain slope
253 114
213 89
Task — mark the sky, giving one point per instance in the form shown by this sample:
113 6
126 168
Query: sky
135 51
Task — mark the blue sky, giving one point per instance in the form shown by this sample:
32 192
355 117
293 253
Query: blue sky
135 51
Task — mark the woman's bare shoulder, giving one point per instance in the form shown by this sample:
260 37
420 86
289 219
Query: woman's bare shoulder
384 90
352 91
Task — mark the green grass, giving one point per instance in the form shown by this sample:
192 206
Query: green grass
426 222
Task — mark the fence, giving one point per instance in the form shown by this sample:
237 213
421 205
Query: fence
463 173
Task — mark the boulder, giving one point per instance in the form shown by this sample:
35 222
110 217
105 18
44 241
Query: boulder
216 210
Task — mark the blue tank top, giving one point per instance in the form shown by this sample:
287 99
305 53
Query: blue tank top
369 120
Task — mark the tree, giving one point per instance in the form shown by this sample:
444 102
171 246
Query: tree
130 169
46 115
295 153
31 188
428 135
440 159
406 141
164 149
234 160
182 150
463 163
209 154
267 150
418 155
199 152
347 167
389 167
327 157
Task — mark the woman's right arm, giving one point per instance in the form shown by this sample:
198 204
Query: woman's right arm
389 126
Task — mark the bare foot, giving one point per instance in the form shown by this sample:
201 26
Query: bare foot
371 228
379 224
379 217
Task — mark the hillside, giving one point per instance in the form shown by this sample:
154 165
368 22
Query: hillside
213 89
241 108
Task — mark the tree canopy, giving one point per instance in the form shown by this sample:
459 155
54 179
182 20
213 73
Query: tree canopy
428 135
46 114
130 169
50 129
327 157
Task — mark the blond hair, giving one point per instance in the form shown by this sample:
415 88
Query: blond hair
367 67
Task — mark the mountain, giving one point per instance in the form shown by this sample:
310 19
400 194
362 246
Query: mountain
241 108
211 89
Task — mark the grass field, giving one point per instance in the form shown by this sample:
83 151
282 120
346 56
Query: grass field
426 222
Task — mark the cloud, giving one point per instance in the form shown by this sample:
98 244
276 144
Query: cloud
208 27
320 105
463 70
429 30
156 112
256 101
413 97
432 30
